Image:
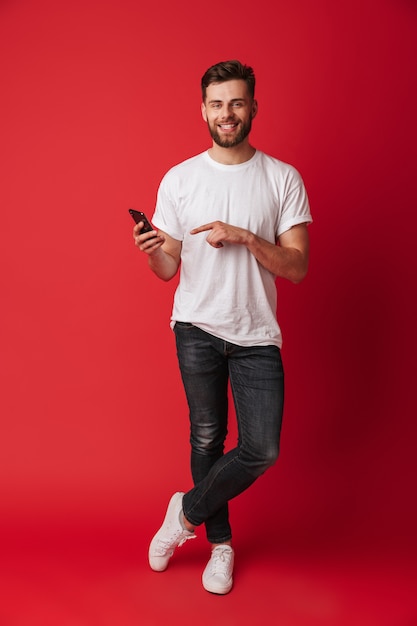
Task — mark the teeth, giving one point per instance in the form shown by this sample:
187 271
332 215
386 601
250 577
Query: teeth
227 126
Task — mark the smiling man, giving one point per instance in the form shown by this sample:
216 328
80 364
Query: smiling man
231 219
228 109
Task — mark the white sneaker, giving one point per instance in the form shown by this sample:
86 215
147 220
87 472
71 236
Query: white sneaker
218 575
169 536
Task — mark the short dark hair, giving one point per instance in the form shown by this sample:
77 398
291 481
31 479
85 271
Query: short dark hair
228 70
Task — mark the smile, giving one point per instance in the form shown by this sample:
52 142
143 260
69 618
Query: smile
227 126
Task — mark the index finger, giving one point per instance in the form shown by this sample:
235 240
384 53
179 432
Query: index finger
201 229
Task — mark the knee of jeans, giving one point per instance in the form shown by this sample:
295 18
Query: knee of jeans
207 440
258 462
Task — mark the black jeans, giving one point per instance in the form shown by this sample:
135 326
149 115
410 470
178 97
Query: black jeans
257 383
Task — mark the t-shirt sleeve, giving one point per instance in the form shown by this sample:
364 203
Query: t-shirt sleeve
295 205
165 216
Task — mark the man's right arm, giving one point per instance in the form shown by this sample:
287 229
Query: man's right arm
164 252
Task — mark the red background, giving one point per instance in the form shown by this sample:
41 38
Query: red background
98 100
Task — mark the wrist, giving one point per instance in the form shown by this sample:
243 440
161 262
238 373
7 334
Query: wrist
250 239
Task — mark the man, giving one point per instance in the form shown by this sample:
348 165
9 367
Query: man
232 219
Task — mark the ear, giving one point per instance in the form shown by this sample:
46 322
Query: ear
203 111
254 108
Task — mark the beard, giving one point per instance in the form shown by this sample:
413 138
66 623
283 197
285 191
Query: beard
225 142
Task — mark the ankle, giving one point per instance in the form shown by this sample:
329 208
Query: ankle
223 543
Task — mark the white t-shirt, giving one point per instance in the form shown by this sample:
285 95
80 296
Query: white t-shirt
225 291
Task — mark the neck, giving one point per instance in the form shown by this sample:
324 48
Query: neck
232 156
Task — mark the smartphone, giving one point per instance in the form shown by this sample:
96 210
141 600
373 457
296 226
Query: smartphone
138 216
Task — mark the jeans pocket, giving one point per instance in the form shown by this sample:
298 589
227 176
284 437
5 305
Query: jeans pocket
184 324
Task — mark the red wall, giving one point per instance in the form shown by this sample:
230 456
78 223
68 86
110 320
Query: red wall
98 100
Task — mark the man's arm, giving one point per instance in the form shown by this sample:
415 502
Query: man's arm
287 260
164 252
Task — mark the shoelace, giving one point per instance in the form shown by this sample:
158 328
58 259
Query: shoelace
220 560
165 545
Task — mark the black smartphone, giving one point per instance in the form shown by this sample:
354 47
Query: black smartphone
138 216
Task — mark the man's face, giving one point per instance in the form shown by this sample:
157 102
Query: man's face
228 110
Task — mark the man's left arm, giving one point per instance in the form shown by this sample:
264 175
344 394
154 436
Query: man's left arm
287 260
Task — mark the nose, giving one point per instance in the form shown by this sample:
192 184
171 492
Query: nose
226 112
